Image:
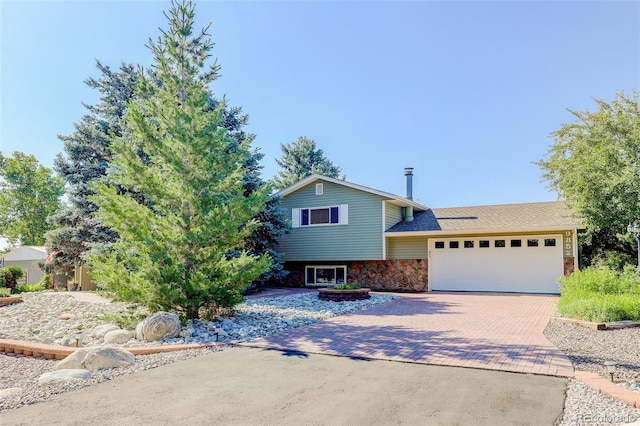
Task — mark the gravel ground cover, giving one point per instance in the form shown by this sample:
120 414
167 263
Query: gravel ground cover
39 318
588 349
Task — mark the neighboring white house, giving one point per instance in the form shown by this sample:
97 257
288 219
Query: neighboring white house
27 258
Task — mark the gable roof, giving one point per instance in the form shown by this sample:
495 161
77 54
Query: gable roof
396 199
552 215
25 253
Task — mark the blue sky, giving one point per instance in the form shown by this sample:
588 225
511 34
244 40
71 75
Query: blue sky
467 93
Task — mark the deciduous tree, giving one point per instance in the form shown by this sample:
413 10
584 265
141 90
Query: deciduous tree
29 193
594 164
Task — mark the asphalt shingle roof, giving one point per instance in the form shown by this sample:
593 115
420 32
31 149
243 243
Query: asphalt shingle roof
553 214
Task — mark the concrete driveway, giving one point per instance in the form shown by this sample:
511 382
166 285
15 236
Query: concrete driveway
247 386
492 331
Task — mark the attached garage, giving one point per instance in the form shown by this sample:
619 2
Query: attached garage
517 263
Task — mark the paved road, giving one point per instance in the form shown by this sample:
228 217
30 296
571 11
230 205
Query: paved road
250 386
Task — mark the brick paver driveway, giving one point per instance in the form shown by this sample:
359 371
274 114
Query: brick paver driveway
478 330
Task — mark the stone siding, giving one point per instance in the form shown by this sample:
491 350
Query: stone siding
389 275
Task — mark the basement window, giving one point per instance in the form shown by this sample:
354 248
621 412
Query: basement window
325 275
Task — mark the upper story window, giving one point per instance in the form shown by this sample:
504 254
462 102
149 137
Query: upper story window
319 188
320 216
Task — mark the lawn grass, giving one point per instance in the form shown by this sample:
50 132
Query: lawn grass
600 295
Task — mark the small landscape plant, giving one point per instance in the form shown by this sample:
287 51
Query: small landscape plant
601 294
352 286
30 288
125 321
5 292
46 281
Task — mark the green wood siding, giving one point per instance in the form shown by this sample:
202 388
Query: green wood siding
360 239
407 248
393 215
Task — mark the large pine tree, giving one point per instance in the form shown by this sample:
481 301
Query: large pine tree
87 155
173 250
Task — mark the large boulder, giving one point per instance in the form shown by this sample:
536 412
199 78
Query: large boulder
60 376
158 326
118 337
96 358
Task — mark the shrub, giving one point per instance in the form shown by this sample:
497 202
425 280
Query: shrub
601 294
46 281
5 292
30 288
9 276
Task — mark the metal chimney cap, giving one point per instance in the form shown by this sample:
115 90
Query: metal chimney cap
408 171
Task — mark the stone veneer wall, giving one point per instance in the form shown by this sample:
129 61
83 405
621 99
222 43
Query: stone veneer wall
390 275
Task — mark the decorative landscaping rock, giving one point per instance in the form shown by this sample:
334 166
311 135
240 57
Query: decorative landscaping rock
158 326
9 392
118 337
60 376
96 358
65 317
101 330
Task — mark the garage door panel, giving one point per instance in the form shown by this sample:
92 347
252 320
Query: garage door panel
504 269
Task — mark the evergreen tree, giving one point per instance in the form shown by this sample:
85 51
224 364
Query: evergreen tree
173 249
87 154
301 159
29 193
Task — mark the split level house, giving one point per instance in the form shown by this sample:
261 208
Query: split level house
344 232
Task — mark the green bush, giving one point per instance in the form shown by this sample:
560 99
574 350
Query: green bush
5 292
46 281
9 276
601 294
30 288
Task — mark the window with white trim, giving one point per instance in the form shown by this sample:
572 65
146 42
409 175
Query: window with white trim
325 274
319 188
320 216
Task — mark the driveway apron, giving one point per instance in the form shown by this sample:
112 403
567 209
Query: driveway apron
492 331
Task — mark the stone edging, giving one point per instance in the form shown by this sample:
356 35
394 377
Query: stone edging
21 348
600 325
609 388
5 301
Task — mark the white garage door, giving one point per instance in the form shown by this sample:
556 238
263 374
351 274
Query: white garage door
527 264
